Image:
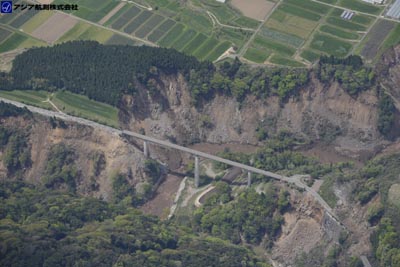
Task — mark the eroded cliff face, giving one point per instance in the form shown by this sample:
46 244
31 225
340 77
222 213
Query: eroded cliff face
319 113
86 143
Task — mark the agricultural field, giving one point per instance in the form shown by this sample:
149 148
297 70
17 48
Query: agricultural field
82 106
67 102
286 32
375 38
34 98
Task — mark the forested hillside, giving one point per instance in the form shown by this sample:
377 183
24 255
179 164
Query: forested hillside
41 227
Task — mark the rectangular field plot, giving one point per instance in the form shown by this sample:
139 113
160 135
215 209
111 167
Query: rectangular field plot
172 35
235 36
291 24
281 37
149 26
166 25
358 5
310 6
206 48
294 10
196 20
155 36
154 21
277 59
4 34
55 27
330 45
339 33
218 51
375 37
36 21
357 18
82 106
137 22
95 15
261 42
75 32
12 42
256 55
97 34
125 18
34 98
24 17
255 9
195 43
310 55
117 39
184 39
246 22
345 24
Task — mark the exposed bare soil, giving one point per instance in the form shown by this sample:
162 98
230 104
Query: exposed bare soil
255 9
164 197
55 27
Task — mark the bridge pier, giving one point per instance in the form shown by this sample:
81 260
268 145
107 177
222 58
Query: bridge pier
248 179
145 149
196 172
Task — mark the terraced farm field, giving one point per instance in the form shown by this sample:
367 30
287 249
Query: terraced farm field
288 32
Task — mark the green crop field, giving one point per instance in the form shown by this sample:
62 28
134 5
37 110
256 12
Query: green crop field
33 98
184 39
117 39
280 60
4 34
310 6
206 48
24 17
247 22
36 21
12 42
82 106
264 43
339 33
221 48
75 32
137 21
360 6
330 45
257 55
345 24
172 35
294 10
195 43
97 34
155 35
281 37
309 55
290 24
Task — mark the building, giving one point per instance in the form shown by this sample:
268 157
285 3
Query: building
376 2
394 10
221 1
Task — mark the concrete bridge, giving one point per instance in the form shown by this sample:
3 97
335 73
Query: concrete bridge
296 180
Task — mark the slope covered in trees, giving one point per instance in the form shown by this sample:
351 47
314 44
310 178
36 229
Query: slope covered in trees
39 227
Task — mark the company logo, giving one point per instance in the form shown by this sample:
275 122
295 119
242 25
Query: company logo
6 7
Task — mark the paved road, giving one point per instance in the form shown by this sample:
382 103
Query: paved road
296 180
365 261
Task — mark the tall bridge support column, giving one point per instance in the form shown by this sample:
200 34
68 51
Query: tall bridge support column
196 172
145 149
248 179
